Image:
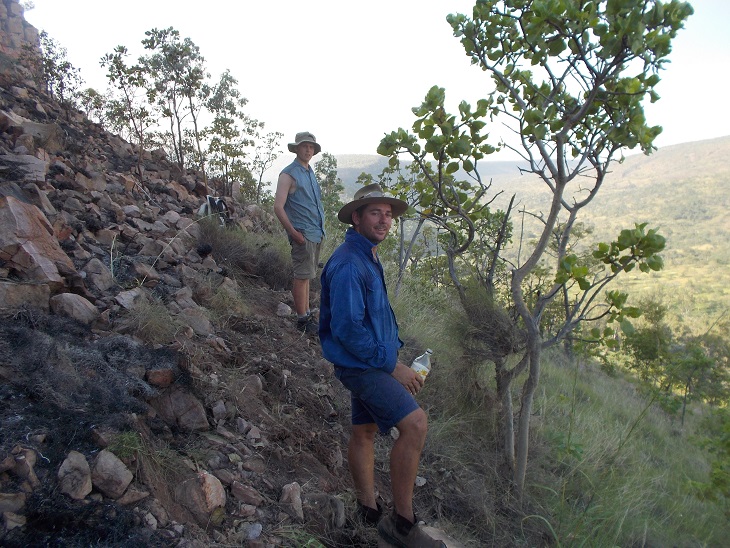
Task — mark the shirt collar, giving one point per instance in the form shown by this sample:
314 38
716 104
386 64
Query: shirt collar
353 237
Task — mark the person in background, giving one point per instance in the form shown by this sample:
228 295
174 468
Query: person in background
359 335
298 206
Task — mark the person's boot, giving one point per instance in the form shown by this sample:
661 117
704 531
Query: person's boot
400 532
308 324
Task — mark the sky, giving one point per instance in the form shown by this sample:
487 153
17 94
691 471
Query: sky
350 72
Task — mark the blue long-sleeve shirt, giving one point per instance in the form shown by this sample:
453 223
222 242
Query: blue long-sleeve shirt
357 326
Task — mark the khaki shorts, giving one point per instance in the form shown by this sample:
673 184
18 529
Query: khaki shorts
305 259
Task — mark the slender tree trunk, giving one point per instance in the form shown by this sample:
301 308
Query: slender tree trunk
178 125
258 188
201 159
405 254
506 414
528 394
684 401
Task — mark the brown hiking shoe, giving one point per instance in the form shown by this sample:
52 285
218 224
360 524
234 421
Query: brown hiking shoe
416 537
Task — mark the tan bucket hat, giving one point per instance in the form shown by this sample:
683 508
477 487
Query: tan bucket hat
304 137
371 194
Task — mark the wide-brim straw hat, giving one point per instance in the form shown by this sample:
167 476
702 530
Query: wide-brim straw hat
371 194
304 137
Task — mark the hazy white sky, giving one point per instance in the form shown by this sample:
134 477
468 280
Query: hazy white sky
350 72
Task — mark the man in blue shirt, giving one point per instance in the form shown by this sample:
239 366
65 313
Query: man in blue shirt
359 335
298 206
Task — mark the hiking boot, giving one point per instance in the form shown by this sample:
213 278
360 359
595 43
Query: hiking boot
406 534
308 325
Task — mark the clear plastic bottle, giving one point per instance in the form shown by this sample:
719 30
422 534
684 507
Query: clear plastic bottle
422 364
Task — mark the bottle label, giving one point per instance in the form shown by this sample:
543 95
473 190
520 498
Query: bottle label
420 369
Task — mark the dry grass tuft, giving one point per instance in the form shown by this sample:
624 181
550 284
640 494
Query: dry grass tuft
491 331
151 322
248 254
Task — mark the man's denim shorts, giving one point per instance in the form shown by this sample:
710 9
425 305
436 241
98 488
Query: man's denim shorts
377 397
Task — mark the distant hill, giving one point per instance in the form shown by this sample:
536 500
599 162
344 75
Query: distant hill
683 190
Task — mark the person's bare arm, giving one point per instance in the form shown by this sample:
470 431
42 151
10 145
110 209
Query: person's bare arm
283 188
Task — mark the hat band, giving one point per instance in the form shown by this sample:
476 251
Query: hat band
373 194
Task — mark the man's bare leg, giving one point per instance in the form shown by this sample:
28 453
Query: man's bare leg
404 459
361 459
300 293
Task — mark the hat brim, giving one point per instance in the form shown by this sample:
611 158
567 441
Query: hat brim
398 207
293 146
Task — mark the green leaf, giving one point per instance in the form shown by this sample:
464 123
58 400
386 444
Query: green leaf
627 327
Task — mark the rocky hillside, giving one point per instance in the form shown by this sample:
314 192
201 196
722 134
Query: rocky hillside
154 389
204 436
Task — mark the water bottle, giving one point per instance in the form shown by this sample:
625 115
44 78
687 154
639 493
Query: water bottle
422 364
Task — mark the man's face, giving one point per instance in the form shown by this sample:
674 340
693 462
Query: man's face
373 221
305 151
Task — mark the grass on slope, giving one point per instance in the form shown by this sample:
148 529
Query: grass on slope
618 470
606 467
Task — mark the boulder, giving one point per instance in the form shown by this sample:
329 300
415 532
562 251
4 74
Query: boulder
110 475
204 496
74 476
74 306
180 408
13 296
28 246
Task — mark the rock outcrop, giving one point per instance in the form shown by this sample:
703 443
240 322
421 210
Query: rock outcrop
15 32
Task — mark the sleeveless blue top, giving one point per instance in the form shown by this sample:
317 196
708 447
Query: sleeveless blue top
304 205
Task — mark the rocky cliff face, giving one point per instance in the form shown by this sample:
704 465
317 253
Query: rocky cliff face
15 31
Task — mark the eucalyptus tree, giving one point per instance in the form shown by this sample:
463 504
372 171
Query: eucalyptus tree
230 133
178 74
569 78
128 107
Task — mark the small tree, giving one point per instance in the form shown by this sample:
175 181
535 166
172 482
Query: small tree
52 70
331 185
570 78
94 104
177 72
229 135
128 111
264 156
